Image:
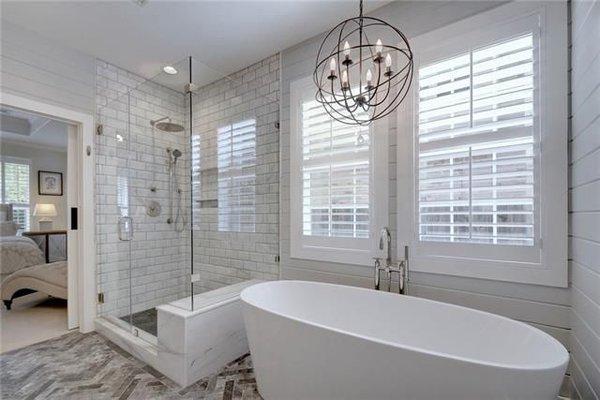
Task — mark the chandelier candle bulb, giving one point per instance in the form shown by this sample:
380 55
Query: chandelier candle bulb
388 65
347 49
345 85
378 47
369 79
332 68
347 61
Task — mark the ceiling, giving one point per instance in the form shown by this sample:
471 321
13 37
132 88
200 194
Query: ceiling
29 128
221 36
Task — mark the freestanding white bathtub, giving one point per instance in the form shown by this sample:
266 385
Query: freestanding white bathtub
320 341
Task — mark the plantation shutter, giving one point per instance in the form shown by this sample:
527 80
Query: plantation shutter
237 176
476 152
335 175
15 189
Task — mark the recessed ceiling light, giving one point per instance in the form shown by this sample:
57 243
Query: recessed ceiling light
170 70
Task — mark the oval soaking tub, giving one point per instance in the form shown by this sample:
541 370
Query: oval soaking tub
321 341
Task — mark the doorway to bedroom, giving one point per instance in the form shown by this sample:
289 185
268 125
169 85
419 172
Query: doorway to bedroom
37 191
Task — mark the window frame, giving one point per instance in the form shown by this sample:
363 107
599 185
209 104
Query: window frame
546 262
23 161
355 251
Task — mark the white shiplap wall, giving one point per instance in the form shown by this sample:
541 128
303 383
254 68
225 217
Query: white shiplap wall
584 206
547 308
38 68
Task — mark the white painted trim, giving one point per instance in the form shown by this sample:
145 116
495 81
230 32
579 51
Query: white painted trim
15 160
35 145
72 235
86 283
339 250
550 268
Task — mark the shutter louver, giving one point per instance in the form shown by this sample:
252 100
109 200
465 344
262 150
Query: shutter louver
237 176
15 181
335 174
476 146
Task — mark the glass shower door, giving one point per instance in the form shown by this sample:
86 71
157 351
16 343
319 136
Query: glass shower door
114 229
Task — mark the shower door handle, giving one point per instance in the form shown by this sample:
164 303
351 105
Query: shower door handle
125 229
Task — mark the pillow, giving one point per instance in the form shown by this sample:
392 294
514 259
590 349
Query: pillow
8 228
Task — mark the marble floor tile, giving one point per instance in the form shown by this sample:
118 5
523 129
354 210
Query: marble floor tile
87 366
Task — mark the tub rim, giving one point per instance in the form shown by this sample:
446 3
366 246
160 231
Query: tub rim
509 366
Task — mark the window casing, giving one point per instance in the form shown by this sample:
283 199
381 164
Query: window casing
336 203
14 176
488 140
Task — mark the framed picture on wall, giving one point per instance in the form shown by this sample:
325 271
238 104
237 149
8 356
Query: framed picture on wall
50 183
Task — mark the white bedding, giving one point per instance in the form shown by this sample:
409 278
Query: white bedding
18 252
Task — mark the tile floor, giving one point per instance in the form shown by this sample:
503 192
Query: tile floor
144 320
87 366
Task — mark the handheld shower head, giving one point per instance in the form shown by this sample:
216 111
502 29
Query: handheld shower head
176 154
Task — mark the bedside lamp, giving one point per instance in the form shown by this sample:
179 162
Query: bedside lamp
45 212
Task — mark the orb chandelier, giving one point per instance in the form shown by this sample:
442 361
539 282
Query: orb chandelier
357 81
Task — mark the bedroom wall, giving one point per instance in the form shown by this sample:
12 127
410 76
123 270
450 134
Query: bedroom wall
547 308
44 159
584 233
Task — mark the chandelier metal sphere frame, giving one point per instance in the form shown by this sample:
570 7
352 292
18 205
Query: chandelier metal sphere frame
360 91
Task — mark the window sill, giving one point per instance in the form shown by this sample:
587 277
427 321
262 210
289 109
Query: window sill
331 255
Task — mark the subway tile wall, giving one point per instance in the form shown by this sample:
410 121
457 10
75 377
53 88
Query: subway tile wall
224 257
131 160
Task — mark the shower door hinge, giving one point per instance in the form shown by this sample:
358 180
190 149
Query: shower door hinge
100 298
99 129
277 258
195 278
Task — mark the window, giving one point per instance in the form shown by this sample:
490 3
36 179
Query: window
476 154
237 176
14 176
488 127
335 175
332 188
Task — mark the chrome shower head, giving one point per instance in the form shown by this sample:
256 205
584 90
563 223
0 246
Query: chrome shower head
166 126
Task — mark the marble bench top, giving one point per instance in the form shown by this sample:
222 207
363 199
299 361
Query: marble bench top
207 300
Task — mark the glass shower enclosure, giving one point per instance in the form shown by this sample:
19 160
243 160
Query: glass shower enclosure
143 194
187 186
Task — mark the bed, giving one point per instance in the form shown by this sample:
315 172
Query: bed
23 269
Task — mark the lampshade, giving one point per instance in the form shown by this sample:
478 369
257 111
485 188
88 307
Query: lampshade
44 210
